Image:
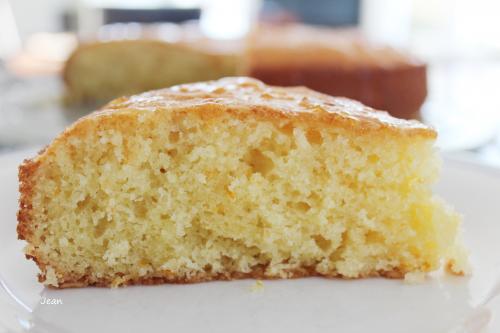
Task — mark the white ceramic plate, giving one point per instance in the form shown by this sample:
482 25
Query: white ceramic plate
440 304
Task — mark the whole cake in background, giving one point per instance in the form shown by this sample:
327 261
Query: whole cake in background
235 179
336 62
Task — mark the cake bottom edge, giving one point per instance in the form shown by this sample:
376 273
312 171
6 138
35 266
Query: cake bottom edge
171 278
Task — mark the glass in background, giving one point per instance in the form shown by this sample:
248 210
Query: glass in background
229 19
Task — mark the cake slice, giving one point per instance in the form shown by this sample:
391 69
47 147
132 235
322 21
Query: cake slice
102 70
232 179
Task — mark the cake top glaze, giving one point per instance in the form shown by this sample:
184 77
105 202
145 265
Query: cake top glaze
247 97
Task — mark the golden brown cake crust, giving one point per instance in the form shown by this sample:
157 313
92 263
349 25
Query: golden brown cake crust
246 97
242 98
26 178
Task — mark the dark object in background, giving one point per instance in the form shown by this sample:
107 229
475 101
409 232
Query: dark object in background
335 13
175 15
70 20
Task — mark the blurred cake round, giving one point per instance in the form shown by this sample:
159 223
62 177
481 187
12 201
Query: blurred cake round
333 61
160 56
235 179
338 63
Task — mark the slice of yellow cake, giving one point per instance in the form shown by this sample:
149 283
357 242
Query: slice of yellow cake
99 71
232 179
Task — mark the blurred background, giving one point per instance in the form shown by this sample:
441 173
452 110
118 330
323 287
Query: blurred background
458 39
